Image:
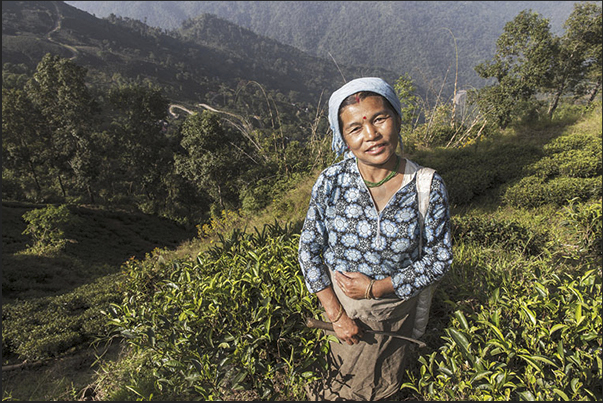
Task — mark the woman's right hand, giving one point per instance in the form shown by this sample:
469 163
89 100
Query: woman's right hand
347 330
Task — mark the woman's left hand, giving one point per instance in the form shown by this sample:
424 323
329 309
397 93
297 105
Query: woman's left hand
353 284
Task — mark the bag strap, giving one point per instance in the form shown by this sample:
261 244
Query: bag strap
424 177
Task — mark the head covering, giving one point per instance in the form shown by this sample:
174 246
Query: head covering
373 84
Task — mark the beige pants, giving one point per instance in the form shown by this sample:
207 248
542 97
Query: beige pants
374 368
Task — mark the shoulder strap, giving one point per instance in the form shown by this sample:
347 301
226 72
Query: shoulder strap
424 178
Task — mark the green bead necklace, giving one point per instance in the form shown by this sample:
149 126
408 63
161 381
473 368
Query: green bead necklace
387 178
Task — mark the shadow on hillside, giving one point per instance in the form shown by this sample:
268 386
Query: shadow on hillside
27 276
98 244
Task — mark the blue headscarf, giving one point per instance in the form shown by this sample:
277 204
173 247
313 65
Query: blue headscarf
373 84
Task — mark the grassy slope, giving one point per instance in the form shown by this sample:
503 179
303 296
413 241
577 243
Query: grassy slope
98 245
103 240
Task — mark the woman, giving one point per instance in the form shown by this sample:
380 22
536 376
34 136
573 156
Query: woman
361 250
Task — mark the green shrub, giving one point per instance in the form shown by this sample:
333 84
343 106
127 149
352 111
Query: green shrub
575 155
535 191
571 168
533 340
257 198
473 171
491 232
231 320
572 163
47 227
464 184
50 326
587 141
585 222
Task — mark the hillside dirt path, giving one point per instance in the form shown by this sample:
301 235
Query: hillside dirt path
57 27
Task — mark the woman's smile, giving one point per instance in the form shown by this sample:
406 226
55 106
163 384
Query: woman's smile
377 149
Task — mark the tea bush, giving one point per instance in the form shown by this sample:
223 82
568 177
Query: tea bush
535 191
587 141
532 340
48 327
571 167
231 320
572 163
46 226
473 171
585 222
505 233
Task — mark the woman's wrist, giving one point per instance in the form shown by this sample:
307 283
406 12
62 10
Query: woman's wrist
368 294
383 288
339 314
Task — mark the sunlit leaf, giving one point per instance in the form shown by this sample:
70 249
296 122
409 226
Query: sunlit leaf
556 327
461 318
561 394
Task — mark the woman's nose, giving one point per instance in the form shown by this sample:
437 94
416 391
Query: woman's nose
371 131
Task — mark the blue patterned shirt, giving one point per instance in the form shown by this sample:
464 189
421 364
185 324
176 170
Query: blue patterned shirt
344 231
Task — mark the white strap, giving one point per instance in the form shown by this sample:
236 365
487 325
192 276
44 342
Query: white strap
424 178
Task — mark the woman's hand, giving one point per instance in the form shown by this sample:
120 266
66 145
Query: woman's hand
347 330
344 327
353 284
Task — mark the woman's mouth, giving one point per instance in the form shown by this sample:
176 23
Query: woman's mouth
376 149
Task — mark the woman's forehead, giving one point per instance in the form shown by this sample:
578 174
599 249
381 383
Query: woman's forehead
367 105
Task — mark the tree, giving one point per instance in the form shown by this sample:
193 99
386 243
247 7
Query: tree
141 148
521 66
579 58
210 159
530 61
406 91
58 90
24 139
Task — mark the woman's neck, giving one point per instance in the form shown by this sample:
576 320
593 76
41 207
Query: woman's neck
377 173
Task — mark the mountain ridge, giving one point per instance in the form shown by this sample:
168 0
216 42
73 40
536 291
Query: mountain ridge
424 39
187 64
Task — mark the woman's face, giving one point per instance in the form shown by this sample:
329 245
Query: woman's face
370 129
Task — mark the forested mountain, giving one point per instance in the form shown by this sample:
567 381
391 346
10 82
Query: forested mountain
88 103
191 65
88 109
417 37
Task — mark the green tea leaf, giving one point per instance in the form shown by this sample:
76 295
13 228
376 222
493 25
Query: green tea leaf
561 394
530 314
462 342
461 318
556 327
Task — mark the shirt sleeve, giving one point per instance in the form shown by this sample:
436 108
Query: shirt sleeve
437 246
312 244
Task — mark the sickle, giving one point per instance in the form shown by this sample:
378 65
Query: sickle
320 324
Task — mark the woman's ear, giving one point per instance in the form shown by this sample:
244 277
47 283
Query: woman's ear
399 120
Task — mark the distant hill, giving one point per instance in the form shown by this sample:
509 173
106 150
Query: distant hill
417 37
209 53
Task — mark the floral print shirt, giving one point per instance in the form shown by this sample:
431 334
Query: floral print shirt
343 231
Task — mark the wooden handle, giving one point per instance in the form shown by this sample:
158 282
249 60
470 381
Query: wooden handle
319 324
